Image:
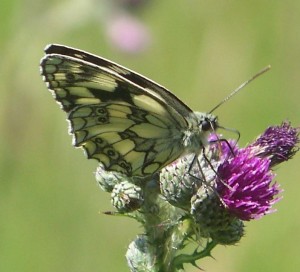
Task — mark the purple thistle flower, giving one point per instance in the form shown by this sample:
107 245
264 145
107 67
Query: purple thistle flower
277 143
244 185
242 177
244 181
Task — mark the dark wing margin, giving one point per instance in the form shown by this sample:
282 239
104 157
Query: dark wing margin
126 73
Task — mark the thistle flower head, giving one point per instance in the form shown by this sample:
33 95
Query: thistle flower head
279 143
244 184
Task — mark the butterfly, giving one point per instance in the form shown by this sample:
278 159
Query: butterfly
129 123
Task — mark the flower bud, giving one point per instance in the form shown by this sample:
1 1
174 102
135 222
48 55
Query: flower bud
127 197
139 255
209 213
107 179
176 183
230 235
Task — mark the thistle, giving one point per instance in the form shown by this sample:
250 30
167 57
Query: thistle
207 203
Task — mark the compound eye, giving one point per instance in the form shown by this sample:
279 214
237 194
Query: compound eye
206 125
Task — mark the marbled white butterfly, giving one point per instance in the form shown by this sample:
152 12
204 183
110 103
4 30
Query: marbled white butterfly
125 121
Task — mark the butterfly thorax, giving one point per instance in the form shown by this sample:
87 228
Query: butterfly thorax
201 124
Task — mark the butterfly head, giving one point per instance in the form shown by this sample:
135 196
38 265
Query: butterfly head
207 122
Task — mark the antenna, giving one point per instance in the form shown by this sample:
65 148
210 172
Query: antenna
267 68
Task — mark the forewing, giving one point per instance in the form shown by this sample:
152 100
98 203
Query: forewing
127 126
147 85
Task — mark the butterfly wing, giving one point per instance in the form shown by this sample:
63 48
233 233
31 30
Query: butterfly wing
129 123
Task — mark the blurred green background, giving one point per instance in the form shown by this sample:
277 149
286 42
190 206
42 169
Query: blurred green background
50 205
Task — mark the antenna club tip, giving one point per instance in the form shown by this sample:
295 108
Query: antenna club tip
267 68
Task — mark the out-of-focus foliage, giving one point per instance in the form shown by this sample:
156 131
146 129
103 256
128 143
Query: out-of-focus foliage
50 205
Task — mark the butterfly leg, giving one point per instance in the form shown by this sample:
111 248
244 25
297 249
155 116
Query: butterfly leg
231 149
212 167
201 176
